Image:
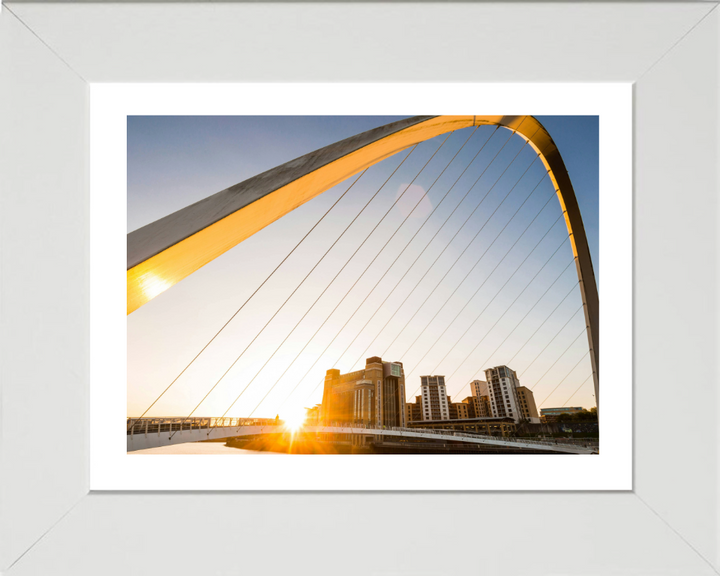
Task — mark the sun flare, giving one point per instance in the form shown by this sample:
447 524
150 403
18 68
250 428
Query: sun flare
153 285
294 419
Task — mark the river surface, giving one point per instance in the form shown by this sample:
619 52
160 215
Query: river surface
201 448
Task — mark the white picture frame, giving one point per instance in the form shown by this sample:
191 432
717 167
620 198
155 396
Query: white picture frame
50 523
110 467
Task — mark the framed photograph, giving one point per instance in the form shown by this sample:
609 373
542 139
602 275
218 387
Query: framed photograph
493 182
252 263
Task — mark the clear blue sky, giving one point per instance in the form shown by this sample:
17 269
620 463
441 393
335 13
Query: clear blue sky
443 317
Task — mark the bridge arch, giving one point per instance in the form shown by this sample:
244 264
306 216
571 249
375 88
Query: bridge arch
164 252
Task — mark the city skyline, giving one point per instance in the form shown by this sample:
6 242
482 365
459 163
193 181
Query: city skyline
167 332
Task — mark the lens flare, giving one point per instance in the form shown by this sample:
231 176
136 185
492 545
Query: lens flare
294 419
153 285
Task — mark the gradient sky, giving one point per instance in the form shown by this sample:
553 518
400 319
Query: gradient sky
498 270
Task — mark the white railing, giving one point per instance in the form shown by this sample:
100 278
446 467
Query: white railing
178 424
147 426
451 433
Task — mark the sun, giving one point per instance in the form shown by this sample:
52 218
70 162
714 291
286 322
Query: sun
294 418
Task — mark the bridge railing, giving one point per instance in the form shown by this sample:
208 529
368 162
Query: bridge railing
454 433
178 424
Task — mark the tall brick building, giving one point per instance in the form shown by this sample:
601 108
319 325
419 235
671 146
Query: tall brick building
372 396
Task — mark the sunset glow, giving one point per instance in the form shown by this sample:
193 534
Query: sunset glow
153 285
294 419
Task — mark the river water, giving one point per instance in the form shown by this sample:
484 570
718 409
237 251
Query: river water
201 448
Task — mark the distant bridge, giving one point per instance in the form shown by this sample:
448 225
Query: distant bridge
147 433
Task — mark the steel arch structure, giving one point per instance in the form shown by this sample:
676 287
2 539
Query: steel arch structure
164 252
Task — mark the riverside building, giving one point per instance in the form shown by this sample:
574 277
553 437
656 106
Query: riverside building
458 410
434 398
526 400
414 410
373 396
551 414
479 388
480 400
478 406
502 384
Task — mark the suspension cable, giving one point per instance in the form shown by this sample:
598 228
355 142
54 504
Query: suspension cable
572 288
249 298
368 267
438 257
423 251
503 314
517 269
458 258
544 322
390 267
563 380
309 273
475 266
516 326
323 292
333 280
576 390
584 330
553 338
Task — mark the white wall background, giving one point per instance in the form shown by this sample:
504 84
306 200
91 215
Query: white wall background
48 53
